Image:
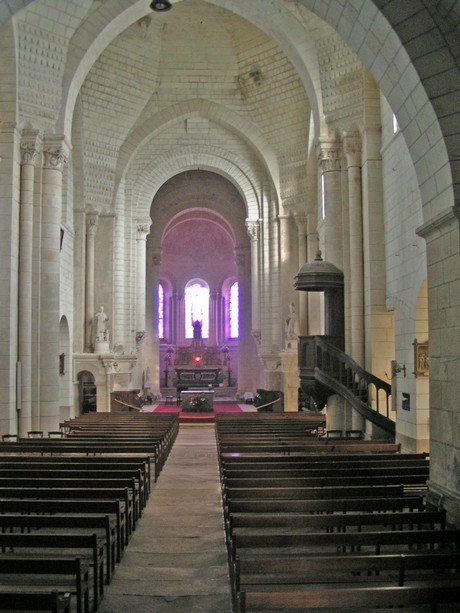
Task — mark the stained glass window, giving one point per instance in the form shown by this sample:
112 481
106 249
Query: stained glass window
197 307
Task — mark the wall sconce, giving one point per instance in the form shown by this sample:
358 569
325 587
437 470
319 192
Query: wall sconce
397 368
160 5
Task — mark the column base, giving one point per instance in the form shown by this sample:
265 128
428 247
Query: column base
441 498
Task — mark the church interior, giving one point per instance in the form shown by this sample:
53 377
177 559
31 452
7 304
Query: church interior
255 202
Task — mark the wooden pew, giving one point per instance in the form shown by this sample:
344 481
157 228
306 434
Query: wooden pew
310 493
114 509
398 569
338 522
23 573
102 525
296 482
79 485
317 458
41 546
75 473
364 598
336 505
76 494
14 599
307 543
135 463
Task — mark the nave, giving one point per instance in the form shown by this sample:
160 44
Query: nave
176 561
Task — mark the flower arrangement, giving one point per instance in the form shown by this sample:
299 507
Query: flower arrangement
198 404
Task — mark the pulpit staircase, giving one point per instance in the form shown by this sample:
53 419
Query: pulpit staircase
324 370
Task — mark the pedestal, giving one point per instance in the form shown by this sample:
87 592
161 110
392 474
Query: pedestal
290 376
101 347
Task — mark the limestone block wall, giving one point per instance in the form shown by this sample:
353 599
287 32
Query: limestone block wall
406 271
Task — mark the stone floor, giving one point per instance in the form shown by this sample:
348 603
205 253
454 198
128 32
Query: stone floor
176 561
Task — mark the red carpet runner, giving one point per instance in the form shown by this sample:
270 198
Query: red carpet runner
197 418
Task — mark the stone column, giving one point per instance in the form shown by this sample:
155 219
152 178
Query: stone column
91 229
442 236
353 155
379 347
330 160
180 305
286 279
30 146
143 228
55 153
301 221
253 228
153 353
213 319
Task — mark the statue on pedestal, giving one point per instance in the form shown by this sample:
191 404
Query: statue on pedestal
102 333
292 329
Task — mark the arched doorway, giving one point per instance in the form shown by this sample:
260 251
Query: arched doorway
87 392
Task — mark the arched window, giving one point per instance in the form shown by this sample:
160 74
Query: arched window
161 311
196 307
233 310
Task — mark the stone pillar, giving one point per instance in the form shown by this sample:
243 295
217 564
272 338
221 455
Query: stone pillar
315 319
330 160
30 146
442 236
55 153
143 228
301 221
286 281
153 354
213 319
379 347
180 305
247 356
91 229
353 156
253 228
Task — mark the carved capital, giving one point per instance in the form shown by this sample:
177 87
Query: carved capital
143 228
329 155
30 147
253 229
111 366
55 154
92 218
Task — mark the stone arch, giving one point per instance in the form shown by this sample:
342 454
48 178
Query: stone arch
381 48
224 117
215 160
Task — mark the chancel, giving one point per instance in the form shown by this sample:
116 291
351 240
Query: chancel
254 200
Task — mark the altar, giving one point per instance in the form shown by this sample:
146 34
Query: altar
198 401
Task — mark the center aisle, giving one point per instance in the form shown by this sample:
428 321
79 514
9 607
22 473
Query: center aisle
176 561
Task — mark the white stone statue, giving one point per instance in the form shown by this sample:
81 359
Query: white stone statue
292 329
102 333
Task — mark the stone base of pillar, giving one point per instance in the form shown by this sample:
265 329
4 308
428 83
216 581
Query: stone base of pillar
441 498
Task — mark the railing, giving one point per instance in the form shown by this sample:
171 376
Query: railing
325 370
342 367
